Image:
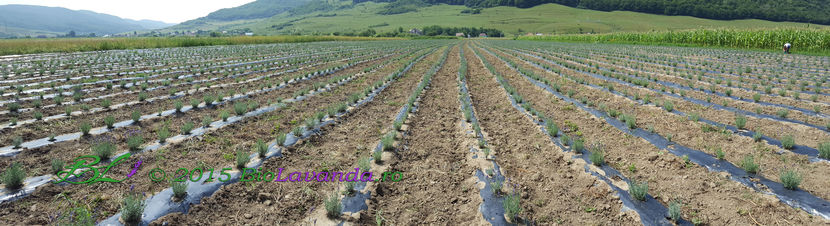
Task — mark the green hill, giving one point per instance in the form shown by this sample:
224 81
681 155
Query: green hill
23 20
546 18
255 10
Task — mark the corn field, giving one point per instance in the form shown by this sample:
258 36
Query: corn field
803 40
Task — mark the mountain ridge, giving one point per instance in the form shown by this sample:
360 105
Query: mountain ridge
31 20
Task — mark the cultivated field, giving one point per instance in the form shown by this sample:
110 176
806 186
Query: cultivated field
482 132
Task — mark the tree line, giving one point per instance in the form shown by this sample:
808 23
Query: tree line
809 11
433 30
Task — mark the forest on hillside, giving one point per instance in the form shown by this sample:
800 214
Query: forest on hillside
810 11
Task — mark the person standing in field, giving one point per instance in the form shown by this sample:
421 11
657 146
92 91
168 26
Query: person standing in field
787 47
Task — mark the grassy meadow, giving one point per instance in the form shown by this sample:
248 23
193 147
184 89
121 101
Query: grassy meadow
547 19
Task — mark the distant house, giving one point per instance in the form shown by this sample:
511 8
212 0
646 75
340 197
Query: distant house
482 35
529 34
249 34
538 34
415 31
459 35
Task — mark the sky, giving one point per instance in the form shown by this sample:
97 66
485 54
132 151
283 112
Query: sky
170 11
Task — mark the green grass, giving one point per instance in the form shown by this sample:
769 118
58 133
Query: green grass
29 46
546 18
